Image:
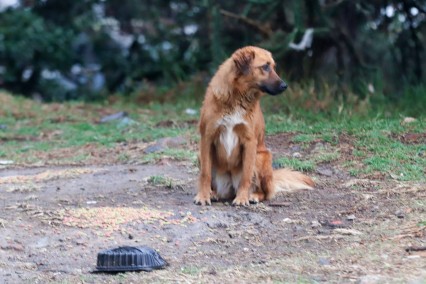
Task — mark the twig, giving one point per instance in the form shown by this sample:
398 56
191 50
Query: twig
332 4
410 233
409 249
320 237
285 204
264 29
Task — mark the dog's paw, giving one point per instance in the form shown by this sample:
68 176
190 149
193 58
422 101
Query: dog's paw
241 201
254 199
214 197
202 200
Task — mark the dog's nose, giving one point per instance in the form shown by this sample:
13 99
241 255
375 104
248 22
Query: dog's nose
283 86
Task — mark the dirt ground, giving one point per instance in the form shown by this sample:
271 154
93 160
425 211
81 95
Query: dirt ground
54 221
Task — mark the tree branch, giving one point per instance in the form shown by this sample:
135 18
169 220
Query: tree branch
264 29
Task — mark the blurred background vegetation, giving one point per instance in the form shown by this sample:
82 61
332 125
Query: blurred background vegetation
57 50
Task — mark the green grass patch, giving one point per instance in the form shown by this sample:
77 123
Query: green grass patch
361 143
28 128
373 141
176 154
304 138
190 270
326 157
295 164
160 181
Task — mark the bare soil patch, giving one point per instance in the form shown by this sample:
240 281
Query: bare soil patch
54 221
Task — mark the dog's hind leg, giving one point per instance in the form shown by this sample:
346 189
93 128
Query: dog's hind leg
264 176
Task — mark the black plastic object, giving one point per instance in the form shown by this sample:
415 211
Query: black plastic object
129 259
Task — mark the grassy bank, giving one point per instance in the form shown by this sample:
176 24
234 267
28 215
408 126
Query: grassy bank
369 142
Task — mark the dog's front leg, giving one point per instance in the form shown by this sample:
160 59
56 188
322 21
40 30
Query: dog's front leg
204 183
248 162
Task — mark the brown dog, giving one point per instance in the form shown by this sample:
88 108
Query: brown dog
234 160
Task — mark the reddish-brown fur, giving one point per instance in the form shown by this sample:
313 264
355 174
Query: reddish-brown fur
234 161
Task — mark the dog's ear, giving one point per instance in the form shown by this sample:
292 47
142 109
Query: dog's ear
242 60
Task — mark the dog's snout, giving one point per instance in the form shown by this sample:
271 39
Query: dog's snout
283 86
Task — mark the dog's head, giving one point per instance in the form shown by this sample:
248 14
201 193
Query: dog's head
257 67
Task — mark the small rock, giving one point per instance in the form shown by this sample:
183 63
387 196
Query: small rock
164 143
315 224
375 208
298 228
400 214
288 221
323 261
212 272
173 142
408 120
3 222
154 149
321 231
295 148
216 224
318 147
296 155
114 116
370 279
15 247
232 234
245 249
126 121
42 243
350 217
368 196
6 162
76 271
335 224
190 111
325 171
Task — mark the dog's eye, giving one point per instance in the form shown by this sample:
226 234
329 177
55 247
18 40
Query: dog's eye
266 68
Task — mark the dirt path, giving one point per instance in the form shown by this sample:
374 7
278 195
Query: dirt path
53 221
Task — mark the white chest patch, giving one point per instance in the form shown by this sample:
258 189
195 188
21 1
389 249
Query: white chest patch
228 138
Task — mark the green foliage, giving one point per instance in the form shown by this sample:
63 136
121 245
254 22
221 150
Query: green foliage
30 44
26 39
413 101
357 47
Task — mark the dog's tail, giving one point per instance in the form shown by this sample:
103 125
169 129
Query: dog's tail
286 180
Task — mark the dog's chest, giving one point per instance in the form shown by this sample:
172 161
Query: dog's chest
228 138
